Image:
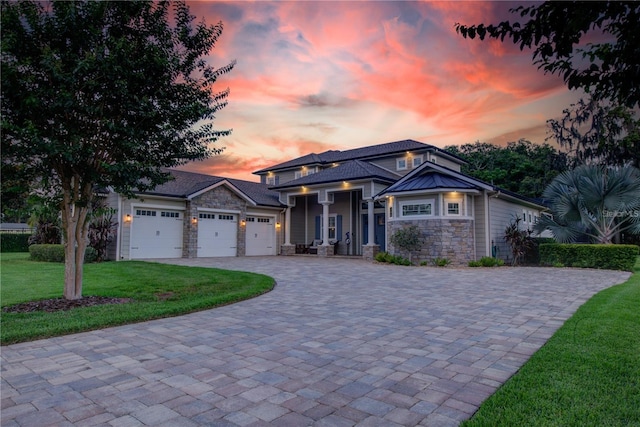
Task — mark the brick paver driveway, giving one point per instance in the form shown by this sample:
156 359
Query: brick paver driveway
338 343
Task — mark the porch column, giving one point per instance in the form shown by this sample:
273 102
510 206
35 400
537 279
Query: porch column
287 226
325 248
371 240
370 249
325 223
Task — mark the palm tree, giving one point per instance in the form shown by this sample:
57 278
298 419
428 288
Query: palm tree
594 201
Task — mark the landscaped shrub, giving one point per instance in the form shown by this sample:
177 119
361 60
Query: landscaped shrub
391 259
486 261
441 262
407 239
532 255
612 257
14 242
47 253
55 253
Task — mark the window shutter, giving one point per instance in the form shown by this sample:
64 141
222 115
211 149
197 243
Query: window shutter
277 180
318 219
339 227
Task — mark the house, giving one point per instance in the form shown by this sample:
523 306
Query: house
336 202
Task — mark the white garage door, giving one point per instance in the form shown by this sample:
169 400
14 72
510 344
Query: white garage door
261 236
156 233
217 234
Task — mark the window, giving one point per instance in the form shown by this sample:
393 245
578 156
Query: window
417 161
271 180
170 214
207 216
401 164
530 217
332 227
453 205
226 217
416 208
141 212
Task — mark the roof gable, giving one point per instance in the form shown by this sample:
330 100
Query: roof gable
186 185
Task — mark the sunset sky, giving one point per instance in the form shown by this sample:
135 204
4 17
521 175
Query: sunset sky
318 75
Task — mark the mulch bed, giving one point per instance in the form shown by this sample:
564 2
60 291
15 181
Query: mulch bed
61 304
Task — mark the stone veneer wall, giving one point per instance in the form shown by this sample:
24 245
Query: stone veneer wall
218 198
443 238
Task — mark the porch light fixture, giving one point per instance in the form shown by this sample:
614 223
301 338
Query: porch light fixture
127 218
277 225
243 222
194 220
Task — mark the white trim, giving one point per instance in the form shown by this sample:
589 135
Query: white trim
218 184
406 164
229 211
156 206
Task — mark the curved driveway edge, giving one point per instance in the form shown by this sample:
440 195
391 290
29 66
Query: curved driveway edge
338 342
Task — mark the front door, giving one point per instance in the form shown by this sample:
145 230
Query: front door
379 228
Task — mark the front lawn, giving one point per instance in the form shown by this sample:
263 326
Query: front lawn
156 290
587 374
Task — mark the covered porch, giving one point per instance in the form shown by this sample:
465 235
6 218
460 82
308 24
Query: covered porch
333 213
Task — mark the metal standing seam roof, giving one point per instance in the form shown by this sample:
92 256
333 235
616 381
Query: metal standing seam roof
347 171
431 180
186 183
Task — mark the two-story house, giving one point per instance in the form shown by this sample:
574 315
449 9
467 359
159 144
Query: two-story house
333 203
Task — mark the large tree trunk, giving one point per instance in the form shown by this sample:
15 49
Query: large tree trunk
75 210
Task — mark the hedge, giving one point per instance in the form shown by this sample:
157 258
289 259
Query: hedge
14 242
55 253
610 257
532 255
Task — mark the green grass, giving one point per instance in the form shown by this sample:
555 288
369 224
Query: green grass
157 290
587 374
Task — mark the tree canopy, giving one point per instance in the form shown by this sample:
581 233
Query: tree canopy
594 46
595 132
522 167
104 94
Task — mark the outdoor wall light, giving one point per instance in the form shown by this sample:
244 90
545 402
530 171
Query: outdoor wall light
194 220
243 222
277 225
127 218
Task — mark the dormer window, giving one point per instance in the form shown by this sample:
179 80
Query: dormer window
271 180
417 161
401 164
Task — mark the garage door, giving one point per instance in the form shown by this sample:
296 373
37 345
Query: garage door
217 234
261 236
156 233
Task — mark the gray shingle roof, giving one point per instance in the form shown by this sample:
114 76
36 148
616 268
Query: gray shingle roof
334 156
186 183
347 171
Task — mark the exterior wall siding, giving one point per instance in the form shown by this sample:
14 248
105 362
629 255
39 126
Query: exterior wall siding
446 163
480 227
502 213
442 237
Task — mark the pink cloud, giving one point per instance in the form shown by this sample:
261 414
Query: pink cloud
313 76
